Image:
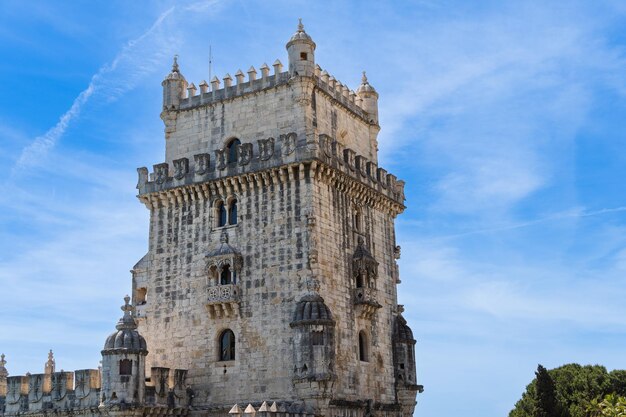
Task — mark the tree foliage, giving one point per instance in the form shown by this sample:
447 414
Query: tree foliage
576 387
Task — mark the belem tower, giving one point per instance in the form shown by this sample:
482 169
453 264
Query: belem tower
270 283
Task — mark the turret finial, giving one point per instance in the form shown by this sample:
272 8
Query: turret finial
364 78
2 361
127 308
300 25
175 64
49 367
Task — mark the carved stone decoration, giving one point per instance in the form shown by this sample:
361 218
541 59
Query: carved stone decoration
82 385
60 381
161 376
266 148
181 168
142 174
220 159
14 388
397 251
244 153
363 262
202 161
326 143
161 172
223 300
35 388
288 143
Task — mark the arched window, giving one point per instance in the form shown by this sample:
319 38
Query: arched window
232 212
359 281
221 214
226 277
232 150
126 367
363 346
227 345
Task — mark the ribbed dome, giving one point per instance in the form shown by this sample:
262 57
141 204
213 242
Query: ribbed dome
365 86
126 337
401 330
311 309
300 35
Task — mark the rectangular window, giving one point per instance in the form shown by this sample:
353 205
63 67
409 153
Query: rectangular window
126 367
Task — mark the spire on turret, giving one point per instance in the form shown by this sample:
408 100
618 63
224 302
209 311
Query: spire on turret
50 364
365 86
175 64
3 371
301 50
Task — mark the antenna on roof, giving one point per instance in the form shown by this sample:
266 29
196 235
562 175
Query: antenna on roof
210 62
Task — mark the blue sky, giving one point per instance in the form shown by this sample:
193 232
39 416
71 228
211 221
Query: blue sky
505 119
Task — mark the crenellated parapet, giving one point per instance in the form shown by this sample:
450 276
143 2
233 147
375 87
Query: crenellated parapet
219 91
56 391
266 158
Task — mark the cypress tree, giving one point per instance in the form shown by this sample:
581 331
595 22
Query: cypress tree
546 401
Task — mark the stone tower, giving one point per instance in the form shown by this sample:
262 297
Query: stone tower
271 274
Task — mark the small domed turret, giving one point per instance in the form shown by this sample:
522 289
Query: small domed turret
123 362
301 49
369 98
174 87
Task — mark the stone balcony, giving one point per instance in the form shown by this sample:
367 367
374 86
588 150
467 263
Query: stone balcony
223 301
365 302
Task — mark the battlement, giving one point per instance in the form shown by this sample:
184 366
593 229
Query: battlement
53 391
266 154
217 92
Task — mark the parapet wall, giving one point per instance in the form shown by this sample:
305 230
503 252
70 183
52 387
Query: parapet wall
323 80
270 153
59 390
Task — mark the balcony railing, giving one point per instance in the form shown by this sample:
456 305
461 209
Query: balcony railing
223 300
365 301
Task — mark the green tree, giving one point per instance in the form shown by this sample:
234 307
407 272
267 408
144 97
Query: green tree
546 401
576 386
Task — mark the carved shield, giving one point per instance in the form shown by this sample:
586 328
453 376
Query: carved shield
266 148
244 153
82 387
181 168
202 163
59 385
35 388
288 143
14 388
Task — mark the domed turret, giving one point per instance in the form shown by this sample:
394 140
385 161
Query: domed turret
314 339
174 87
123 362
369 98
301 51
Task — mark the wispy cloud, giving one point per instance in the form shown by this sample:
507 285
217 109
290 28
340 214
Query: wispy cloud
105 81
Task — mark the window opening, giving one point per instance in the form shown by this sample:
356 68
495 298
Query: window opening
225 276
232 212
362 346
303 56
227 345
232 150
317 338
221 214
126 367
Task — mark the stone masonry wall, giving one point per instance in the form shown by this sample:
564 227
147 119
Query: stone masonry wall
178 330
